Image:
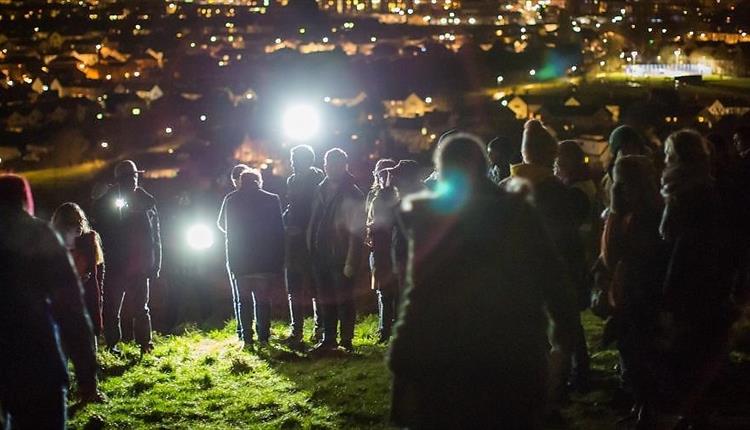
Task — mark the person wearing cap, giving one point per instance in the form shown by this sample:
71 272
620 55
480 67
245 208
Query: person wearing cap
234 176
128 222
300 189
42 318
624 140
469 348
380 224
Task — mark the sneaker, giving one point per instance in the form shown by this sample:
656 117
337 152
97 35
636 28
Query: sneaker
347 346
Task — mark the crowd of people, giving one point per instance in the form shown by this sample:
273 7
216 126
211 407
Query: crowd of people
480 272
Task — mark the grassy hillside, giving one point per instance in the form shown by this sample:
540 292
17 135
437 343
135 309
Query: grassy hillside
203 380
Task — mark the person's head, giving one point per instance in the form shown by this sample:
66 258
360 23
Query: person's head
15 193
636 187
687 148
336 164
538 146
741 140
379 174
570 165
461 156
126 175
251 178
497 150
625 140
70 221
236 173
302 157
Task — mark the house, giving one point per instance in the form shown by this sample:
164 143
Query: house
718 110
525 107
412 106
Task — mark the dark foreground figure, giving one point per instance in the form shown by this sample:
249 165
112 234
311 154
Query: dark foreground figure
41 314
470 345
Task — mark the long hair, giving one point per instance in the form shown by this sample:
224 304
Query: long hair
69 215
688 162
15 192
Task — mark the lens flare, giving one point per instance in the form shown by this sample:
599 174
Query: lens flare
301 122
120 203
200 237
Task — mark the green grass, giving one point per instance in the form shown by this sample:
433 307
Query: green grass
204 380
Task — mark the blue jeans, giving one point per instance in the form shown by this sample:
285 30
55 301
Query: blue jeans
255 293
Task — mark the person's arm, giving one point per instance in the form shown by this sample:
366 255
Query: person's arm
221 222
278 228
356 215
69 312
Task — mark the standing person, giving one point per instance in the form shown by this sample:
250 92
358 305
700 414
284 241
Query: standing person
40 311
380 205
572 170
221 224
560 209
255 250
336 241
407 179
85 247
301 186
698 283
470 344
128 222
634 253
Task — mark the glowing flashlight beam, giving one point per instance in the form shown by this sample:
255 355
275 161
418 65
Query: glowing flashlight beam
200 237
301 122
120 203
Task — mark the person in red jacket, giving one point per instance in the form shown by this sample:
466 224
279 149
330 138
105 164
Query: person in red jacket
85 248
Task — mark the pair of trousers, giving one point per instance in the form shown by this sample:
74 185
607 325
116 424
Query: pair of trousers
255 293
387 311
236 306
301 293
132 292
35 408
336 300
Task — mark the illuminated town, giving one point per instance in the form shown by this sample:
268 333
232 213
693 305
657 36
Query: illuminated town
87 70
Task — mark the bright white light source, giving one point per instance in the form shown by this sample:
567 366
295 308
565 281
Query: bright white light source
105 145
203 117
500 79
301 122
120 203
532 72
200 237
168 130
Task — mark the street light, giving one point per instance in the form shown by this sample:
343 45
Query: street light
301 122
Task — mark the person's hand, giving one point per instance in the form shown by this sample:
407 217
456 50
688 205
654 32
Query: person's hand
349 270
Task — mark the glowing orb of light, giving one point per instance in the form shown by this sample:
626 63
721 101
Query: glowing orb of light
301 122
200 237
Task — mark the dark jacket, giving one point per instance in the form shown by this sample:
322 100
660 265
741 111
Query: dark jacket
40 296
381 223
698 279
130 234
254 231
336 233
470 343
300 188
